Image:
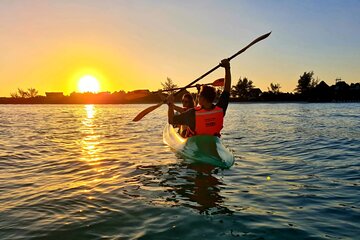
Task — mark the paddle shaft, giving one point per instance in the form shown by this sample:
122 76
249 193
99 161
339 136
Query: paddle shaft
219 65
182 88
152 108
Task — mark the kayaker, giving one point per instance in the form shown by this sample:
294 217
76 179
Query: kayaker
187 103
207 118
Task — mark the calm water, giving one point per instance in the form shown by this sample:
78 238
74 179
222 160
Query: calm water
88 172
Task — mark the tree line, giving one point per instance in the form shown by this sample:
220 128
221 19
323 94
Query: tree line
29 93
308 89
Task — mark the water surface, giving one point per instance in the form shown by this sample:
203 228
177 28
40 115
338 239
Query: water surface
89 172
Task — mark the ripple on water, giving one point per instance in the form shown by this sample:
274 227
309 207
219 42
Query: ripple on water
89 172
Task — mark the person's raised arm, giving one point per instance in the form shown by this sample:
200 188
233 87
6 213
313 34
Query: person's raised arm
225 63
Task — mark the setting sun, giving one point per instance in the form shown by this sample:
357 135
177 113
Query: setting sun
88 84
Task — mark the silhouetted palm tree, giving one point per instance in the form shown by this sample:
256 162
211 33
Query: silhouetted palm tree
242 89
32 92
306 82
274 88
23 93
169 84
14 95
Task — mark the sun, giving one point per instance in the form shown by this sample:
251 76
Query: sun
88 83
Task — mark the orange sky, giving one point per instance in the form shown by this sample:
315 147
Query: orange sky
49 45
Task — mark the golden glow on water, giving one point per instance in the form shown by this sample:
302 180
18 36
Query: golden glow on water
82 163
90 142
89 111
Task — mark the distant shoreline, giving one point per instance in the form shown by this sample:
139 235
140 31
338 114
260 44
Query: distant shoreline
341 92
178 102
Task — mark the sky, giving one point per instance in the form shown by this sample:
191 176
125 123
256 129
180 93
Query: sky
129 45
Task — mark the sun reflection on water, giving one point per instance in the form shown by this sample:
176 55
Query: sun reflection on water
90 142
90 111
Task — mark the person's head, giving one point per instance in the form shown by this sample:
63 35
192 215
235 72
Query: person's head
207 95
188 100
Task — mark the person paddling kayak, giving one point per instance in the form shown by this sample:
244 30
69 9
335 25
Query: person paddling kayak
207 118
188 103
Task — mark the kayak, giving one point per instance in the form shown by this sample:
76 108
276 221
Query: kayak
202 148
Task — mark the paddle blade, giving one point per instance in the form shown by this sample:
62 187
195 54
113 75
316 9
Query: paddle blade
145 112
219 82
250 44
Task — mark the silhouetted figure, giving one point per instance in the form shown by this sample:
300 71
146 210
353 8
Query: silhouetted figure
188 103
207 118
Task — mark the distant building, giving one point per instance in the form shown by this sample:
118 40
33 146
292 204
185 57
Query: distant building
322 85
254 93
54 94
338 80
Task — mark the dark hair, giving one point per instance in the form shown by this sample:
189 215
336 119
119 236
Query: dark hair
208 92
190 99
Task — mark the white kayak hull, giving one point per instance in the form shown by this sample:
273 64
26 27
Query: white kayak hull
204 148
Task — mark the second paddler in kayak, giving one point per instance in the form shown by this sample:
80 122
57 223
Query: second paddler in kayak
187 103
207 118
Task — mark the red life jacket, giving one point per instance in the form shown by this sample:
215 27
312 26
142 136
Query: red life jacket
208 122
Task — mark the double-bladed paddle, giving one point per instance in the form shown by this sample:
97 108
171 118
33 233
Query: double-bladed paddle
152 108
